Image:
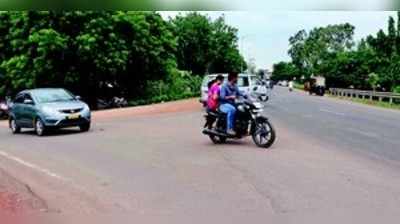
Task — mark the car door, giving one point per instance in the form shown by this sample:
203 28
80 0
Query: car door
28 112
17 109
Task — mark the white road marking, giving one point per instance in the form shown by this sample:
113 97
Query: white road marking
365 133
33 166
332 112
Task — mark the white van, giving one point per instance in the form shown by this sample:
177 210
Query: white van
247 83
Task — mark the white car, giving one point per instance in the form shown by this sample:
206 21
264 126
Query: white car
249 84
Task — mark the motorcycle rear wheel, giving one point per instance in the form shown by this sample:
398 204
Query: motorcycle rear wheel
264 135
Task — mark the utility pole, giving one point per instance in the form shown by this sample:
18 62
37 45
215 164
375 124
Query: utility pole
241 50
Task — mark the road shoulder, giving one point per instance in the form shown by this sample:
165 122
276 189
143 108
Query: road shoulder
17 197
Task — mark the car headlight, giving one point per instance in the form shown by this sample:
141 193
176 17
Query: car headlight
86 108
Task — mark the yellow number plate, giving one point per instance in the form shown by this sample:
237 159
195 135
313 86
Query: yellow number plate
73 116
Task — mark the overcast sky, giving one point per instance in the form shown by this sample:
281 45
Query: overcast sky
265 34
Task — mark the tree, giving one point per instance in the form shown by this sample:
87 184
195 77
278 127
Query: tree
373 80
89 51
309 50
206 46
85 51
285 71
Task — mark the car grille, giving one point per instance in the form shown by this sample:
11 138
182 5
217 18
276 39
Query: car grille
72 122
71 111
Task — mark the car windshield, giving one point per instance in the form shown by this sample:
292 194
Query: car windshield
206 80
52 95
243 81
254 81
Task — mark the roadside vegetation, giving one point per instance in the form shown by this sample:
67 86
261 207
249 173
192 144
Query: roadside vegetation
101 54
376 103
370 64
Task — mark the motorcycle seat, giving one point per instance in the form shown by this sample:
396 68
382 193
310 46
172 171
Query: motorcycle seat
213 113
220 112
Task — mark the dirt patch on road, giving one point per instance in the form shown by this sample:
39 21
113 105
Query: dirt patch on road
17 198
169 107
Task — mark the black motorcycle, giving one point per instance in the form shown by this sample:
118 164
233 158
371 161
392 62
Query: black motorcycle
248 121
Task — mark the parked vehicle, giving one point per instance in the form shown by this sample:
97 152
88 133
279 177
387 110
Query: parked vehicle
249 121
283 83
115 102
46 109
3 109
315 85
248 84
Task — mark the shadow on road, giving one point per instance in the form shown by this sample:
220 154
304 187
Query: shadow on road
233 144
55 132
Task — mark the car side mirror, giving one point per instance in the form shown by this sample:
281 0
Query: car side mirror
78 97
28 101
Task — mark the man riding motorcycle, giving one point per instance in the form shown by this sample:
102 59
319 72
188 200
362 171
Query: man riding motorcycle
228 93
238 116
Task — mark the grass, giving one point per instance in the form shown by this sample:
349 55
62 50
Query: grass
298 86
376 103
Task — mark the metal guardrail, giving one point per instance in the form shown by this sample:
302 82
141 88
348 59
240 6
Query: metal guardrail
371 95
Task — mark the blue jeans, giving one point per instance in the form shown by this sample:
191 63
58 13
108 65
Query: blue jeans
230 111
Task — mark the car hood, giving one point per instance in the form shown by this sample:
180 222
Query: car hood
67 105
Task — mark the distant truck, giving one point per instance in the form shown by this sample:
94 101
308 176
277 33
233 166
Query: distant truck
315 85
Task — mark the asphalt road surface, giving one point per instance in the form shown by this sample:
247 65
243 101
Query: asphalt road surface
333 161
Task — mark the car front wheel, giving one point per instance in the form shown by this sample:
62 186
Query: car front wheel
40 128
15 129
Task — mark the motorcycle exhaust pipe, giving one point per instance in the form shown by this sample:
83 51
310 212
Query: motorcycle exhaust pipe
213 132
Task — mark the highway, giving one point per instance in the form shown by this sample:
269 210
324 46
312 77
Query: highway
349 126
331 159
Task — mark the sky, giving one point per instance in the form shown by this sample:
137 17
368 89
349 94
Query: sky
264 35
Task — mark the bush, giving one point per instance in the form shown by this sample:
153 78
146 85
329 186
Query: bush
178 85
396 89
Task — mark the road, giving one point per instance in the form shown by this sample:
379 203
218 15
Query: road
360 128
333 161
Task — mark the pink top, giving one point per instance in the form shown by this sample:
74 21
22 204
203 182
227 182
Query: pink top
211 102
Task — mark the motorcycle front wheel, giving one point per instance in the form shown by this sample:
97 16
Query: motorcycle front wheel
264 134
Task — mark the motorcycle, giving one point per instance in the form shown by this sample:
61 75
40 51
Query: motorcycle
115 102
5 107
260 93
248 121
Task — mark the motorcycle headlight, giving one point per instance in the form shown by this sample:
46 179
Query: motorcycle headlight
258 105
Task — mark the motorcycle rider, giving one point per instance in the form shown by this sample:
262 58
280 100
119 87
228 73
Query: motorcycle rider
228 93
213 93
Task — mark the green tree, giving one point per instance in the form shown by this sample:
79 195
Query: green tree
309 50
285 71
206 46
373 80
